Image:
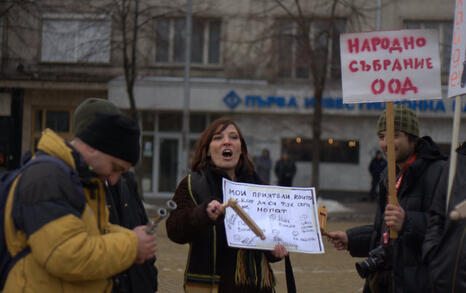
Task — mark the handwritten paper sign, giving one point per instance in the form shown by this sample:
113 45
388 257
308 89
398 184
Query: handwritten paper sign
457 80
286 215
386 66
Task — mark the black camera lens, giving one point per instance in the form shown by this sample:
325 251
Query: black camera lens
365 267
372 264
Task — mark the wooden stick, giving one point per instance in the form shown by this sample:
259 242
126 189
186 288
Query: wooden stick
390 137
233 203
454 145
323 219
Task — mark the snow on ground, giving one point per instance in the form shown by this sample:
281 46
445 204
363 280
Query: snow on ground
332 205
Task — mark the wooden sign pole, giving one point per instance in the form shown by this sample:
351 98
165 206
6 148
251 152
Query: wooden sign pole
454 145
233 203
390 138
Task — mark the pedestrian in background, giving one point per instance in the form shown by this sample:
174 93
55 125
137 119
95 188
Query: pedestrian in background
285 169
263 165
394 265
63 219
124 203
444 247
221 152
376 167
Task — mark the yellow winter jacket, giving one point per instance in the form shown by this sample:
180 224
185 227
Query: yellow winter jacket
73 246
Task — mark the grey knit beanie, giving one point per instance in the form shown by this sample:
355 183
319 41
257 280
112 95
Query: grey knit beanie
405 120
85 112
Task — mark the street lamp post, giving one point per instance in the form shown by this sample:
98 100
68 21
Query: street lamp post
187 90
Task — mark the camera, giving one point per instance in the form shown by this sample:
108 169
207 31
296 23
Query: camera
373 263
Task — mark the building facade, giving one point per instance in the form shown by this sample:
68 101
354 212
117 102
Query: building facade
245 64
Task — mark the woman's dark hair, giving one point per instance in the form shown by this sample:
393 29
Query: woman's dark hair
201 158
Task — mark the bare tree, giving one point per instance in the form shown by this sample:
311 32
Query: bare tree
302 40
132 22
131 29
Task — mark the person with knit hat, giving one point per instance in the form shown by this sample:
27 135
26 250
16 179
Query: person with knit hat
394 265
56 212
124 203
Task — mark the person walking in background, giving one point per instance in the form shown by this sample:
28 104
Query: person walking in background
221 152
376 166
124 203
444 248
285 169
63 219
263 166
394 265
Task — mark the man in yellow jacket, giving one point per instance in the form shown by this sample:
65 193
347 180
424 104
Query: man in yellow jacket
73 247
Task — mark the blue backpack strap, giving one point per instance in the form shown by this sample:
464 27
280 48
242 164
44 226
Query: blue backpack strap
6 260
72 174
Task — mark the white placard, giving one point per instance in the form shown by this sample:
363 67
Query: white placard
384 66
286 215
457 80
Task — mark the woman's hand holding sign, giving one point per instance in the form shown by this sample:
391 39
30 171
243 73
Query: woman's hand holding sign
214 210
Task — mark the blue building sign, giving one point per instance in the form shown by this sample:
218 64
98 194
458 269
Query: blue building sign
232 100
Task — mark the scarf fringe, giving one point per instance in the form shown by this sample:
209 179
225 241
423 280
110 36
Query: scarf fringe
253 269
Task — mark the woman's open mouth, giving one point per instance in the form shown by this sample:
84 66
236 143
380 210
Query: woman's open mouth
227 154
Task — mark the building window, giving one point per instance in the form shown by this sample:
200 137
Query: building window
445 29
148 121
147 163
294 41
170 41
72 38
57 119
197 122
331 150
170 122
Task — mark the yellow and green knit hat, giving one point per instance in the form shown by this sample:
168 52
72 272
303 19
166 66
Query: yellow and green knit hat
405 120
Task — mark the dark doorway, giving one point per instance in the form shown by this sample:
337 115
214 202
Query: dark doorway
11 133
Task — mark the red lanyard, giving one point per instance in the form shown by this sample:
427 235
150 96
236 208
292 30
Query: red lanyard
398 181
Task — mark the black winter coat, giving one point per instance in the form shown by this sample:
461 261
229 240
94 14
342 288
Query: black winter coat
126 209
415 196
445 242
189 223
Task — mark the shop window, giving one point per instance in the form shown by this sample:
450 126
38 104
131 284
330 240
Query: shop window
168 167
216 116
147 163
170 122
75 38
170 41
331 150
295 40
57 119
445 29
197 122
148 121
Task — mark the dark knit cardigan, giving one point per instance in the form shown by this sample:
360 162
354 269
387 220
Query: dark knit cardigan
210 258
